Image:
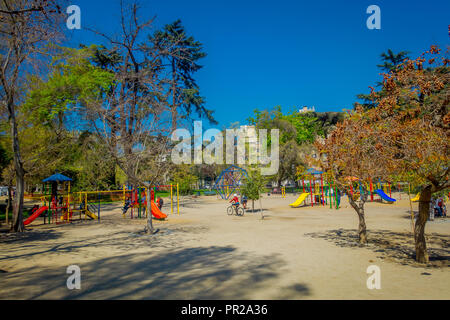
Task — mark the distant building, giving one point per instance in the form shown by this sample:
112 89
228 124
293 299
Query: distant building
306 109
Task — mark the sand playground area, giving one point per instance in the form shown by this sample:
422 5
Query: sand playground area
293 253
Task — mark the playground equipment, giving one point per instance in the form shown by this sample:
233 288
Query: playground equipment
87 205
229 181
156 212
57 206
174 191
299 200
36 214
281 191
320 192
416 198
136 199
384 196
327 192
381 189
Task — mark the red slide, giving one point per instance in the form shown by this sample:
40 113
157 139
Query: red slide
156 212
36 214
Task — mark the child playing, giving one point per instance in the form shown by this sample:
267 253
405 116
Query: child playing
127 205
159 202
244 201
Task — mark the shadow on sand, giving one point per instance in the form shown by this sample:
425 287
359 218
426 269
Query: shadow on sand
191 273
393 246
128 270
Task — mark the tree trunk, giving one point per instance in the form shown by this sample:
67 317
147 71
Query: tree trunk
8 205
174 92
150 228
362 231
253 205
20 172
362 228
18 203
419 228
260 207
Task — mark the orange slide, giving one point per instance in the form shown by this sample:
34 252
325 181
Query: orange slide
156 212
36 214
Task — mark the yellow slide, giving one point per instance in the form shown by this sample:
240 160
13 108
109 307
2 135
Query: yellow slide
91 215
299 200
416 198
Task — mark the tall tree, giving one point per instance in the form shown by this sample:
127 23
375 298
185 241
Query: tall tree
123 91
412 123
25 27
181 53
253 186
347 155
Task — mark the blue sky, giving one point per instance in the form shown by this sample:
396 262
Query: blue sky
290 53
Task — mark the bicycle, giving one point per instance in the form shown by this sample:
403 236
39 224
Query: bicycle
238 210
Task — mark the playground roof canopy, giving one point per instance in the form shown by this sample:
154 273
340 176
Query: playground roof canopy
57 177
314 171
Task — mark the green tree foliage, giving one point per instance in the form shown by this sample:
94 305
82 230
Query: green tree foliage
297 133
74 80
26 27
307 126
5 154
182 175
290 137
182 53
93 168
391 62
253 186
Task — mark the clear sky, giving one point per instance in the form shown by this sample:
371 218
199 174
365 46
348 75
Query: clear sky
291 53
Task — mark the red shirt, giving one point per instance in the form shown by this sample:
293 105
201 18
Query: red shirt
235 200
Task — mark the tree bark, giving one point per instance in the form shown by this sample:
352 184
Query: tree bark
419 228
362 228
260 207
150 229
19 171
8 206
174 92
359 208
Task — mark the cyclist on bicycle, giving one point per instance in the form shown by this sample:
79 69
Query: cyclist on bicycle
235 201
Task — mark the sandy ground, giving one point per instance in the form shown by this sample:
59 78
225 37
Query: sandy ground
301 253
